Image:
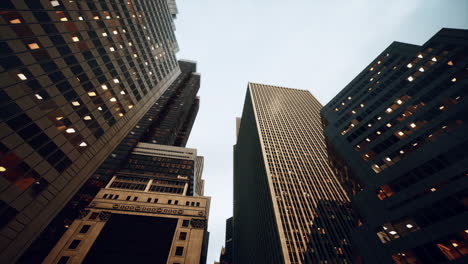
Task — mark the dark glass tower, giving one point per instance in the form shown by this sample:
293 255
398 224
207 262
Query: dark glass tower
77 77
288 205
171 109
396 136
226 251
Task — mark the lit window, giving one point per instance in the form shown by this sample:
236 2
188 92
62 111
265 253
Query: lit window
75 39
371 69
115 32
116 81
354 112
441 107
76 103
362 105
135 55
122 92
80 18
399 101
402 152
108 17
389 125
59 118
378 132
64 19
379 62
454 79
409 226
369 125
368 139
121 46
15 21
33 46
130 106
104 87
421 69
2 169
111 49
434 59
349 97
54 3
342 103
454 244
388 110
392 232
148 38
400 133
38 96
388 159
21 76
70 130
99 108
409 65
450 63
83 144
130 44
113 99
371 79
433 189
412 125
124 31
146 63
120 114
96 17
420 56
410 78
378 118
92 94
104 34
87 118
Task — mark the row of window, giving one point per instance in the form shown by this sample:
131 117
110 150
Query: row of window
149 200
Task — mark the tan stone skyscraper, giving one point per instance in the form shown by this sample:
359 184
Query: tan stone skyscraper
288 204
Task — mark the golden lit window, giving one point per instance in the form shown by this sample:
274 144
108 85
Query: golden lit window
135 55
75 39
115 32
130 44
402 152
400 133
54 3
113 99
99 108
354 112
410 65
388 159
379 62
122 92
130 106
410 78
76 103
104 87
21 76
96 17
83 144
378 132
104 34
389 125
2 169
87 118
454 79
433 189
33 46
441 107
59 118
368 140
120 114
92 94
362 105
116 81
124 31
434 59
450 63
399 102
388 110
420 56
15 21
38 96
371 69
70 130
80 18
111 49
412 125
421 69
108 17
64 19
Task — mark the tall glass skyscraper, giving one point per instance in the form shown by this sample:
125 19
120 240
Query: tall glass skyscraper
288 205
397 137
77 77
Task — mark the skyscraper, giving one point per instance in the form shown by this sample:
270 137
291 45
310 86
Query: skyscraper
288 204
226 251
77 76
396 136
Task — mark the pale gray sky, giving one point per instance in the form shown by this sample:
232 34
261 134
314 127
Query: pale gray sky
318 45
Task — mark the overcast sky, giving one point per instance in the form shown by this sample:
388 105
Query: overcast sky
318 45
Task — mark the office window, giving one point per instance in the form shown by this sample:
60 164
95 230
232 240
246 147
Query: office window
149 200
183 236
169 201
128 198
74 244
185 223
84 229
135 198
179 251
